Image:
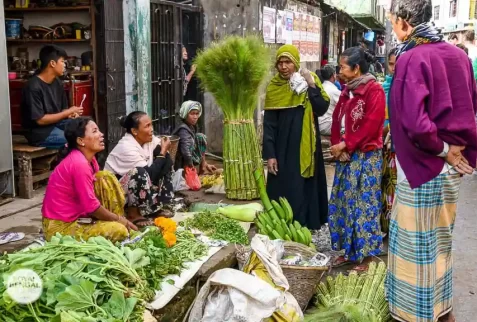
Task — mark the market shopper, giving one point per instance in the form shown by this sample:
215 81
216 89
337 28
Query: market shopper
142 163
291 140
44 105
80 200
433 103
192 145
328 74
389 179
355 204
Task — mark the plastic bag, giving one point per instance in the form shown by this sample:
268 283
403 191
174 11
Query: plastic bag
178 181
192 178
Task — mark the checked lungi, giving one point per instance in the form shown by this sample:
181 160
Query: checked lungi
419 279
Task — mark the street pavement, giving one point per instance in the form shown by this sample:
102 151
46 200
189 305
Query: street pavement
465 252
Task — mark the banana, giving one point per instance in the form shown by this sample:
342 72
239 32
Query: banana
278 228
297 225
307 234
301 237
289 210
279 210
287 237
285 227
261 229
293 231
266 219
272 214
276 235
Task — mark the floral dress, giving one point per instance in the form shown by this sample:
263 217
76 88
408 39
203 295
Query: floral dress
355 206
143 194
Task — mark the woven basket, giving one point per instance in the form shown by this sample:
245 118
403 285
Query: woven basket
174 145
302 280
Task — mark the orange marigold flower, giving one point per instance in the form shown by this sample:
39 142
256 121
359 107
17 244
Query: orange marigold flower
170 238
166 224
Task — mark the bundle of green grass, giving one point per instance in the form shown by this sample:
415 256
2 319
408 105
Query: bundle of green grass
233 70
353 298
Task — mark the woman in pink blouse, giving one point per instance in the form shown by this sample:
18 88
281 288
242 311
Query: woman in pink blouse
80 200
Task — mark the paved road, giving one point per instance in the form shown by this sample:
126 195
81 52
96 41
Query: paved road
465 253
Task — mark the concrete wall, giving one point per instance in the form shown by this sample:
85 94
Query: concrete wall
235 17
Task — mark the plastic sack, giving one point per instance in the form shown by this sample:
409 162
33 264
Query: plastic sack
192 178
178 181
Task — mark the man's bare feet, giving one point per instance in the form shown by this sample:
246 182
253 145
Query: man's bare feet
449 317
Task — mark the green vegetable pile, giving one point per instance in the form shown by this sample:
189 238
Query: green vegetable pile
165 261
217 227
91 281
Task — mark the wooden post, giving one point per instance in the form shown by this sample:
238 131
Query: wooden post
25 178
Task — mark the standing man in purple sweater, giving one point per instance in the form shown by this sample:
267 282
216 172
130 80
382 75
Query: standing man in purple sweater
433 101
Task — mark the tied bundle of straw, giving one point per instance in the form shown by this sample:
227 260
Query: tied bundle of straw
232 70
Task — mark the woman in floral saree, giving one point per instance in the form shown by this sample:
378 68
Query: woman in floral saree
142 164
355 204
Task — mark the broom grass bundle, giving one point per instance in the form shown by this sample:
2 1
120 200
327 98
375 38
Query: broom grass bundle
233 70
353 298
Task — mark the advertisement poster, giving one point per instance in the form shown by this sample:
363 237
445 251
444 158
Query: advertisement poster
289 27
303 37
281 27
296 29
269 18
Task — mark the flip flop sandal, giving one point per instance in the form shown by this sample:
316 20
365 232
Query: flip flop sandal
6 238
360 268
165 214
138 222
340 261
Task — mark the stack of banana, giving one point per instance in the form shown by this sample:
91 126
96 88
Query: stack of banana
279 224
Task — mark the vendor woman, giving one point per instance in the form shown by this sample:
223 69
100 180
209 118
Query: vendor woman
81 201
291 139
142 163
192 145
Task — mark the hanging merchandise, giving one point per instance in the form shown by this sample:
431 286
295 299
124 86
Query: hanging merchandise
233 70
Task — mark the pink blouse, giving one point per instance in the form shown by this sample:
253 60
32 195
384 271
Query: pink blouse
70 191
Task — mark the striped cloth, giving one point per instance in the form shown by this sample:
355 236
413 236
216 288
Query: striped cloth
419 280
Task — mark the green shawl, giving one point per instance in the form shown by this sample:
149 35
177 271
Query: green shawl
280 96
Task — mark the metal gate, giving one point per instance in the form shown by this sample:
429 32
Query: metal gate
111 91
167 74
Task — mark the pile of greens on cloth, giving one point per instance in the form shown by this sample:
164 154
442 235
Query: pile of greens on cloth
95 281
217 227
167 261
89 281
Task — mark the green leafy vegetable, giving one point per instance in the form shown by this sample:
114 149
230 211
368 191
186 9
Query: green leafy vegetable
217 227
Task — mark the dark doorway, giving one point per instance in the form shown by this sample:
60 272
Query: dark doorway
173 26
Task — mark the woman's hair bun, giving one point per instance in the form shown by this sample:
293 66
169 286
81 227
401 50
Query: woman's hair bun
122 121
368 56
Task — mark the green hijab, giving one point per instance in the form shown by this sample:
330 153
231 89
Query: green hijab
281 96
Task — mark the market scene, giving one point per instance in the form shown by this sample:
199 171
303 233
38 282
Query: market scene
238 160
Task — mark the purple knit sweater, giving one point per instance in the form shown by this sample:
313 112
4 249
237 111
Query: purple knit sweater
433 100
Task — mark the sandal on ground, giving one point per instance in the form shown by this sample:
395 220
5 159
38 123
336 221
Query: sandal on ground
361 268
165 213
6 238
143 222
340 261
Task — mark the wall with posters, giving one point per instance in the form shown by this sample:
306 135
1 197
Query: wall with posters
280 22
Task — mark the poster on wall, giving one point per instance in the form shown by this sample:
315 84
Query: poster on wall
268 24
289 27
303 38
296 29
281 27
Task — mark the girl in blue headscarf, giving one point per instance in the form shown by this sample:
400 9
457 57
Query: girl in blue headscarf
192 145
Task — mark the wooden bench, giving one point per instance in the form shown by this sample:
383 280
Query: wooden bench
30 158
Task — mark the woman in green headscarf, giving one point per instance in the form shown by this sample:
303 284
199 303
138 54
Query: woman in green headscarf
291 139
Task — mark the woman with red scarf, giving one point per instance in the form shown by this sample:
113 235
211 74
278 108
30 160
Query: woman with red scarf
357 143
